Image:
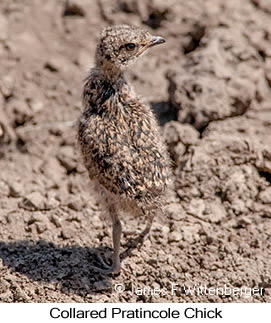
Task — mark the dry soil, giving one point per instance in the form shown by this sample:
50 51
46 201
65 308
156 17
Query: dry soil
210 86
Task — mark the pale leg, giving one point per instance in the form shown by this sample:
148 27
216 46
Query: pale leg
116 236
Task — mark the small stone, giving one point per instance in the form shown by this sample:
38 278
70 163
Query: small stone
178 151
196 207
32 202
244 221
14 218
190 233
215 211
52 65
74 218
15 189
67 158
41 227
177 132
73 8
55 220
36 105
165 230
75 205
265 196
52 170
51 203
36 217
56 64
67 233
7 84
147 244
20 295
170 259
175 211
28 228
174 236
4 189
152 261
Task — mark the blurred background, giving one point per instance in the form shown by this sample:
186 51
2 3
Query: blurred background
210 87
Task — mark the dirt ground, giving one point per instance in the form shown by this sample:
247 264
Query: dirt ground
210 86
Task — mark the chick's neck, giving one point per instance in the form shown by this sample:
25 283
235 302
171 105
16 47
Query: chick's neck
109 72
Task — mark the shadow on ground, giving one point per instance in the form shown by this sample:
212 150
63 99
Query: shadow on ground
69 266
164 112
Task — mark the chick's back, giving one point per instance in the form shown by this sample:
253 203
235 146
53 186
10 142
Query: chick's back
120 142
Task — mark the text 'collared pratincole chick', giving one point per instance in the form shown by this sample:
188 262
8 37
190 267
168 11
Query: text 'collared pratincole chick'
119 136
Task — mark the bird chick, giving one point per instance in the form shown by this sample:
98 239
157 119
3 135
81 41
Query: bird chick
119 136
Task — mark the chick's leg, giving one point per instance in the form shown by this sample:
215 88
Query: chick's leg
142 233
116 235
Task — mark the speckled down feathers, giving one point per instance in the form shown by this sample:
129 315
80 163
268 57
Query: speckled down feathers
110 48
120 140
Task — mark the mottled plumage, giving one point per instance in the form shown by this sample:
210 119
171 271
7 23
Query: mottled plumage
119 136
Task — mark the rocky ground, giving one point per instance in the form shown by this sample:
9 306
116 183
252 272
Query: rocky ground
210 86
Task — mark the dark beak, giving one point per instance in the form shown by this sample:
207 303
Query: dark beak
156 40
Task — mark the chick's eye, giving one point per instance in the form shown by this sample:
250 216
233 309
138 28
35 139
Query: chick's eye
130 46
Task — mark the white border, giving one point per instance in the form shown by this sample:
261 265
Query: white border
39 313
